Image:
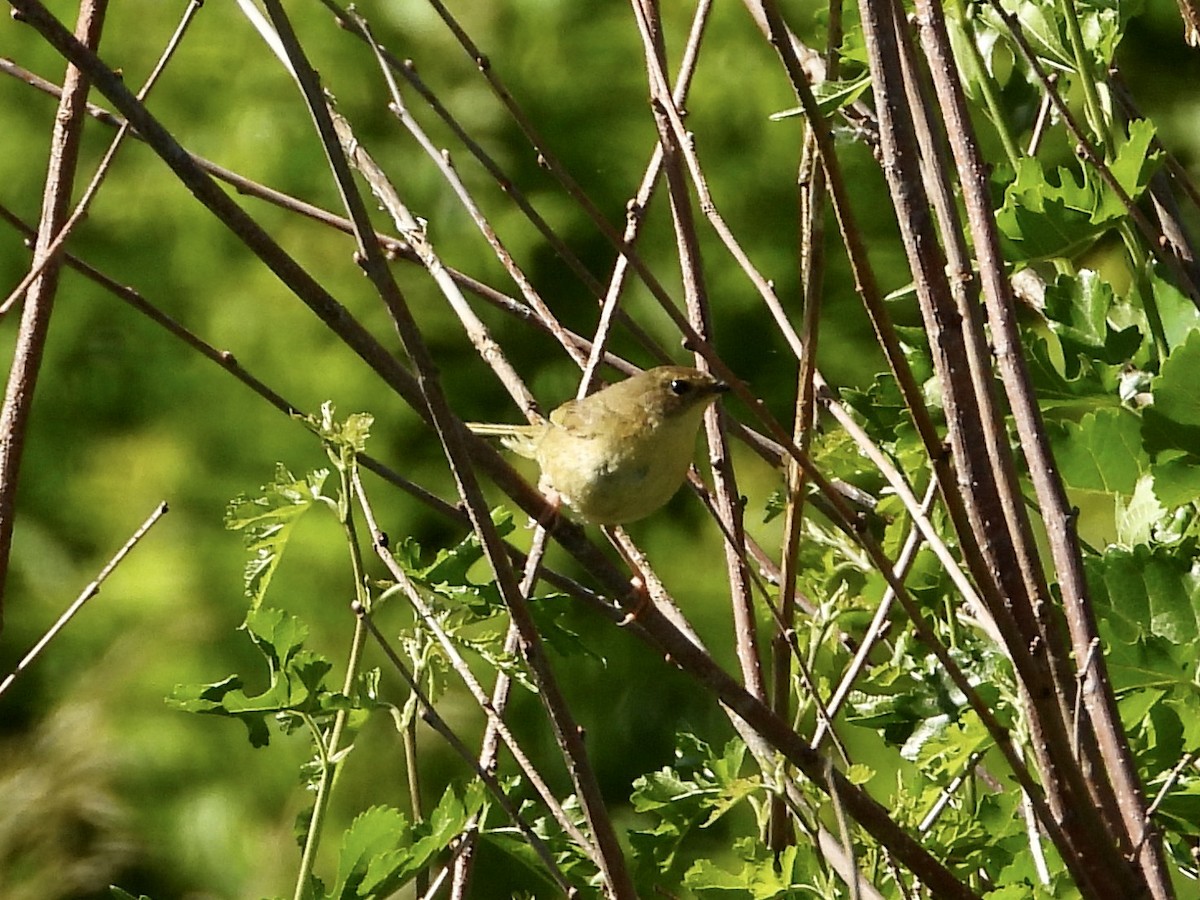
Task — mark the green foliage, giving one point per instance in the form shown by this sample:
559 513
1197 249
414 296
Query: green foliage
761 875
832 96
381 851
1079 312
1113 348
1102 453
695 793
268 519
1045 217
297 680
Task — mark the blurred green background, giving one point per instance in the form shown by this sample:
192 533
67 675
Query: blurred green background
101 782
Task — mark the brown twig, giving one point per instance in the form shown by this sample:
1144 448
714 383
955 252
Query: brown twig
461 667
92 589
35 317
51 252
490 745
696 293
974 439
433 719
1058 515
451 435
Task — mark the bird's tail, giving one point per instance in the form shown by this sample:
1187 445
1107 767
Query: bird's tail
517 438
492 429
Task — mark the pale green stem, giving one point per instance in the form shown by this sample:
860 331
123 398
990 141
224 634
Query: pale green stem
988 89
331 764
1083 65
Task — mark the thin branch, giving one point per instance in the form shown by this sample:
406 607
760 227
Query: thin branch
1010 561
879 623
451 435
1058 515
92 589
51 252
433 719
463 669
490 745
35 317
728 505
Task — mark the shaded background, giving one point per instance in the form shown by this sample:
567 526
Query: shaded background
99 780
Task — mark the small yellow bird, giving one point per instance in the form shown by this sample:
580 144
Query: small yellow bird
619 454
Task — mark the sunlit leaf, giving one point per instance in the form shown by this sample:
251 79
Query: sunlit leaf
267 520
1102 452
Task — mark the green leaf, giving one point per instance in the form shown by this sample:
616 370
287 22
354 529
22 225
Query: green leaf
762 874
1146 591
1077 309
1173 421
682 803
451 566
1136 161
380 852
549 612
268 520
297 679
1101 25
946 754
1141 516
374 849
1176 478
1102 453
1179 315
349 436
1041 219
1078 385
1044 217
831 96
211 699
859 774
1171 425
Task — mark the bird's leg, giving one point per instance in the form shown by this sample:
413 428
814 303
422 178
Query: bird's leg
553 510
639 582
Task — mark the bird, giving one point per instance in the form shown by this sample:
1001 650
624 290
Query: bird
619 454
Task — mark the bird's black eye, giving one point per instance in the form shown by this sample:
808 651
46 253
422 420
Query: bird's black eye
679 387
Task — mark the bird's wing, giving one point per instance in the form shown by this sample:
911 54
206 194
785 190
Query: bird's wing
582 418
